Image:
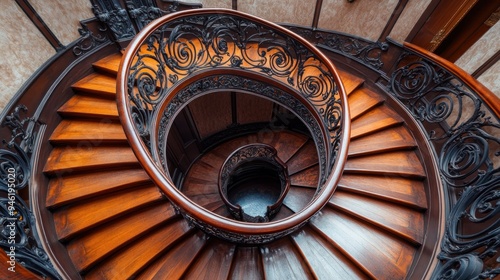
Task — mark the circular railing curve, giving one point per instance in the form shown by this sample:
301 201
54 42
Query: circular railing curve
160 73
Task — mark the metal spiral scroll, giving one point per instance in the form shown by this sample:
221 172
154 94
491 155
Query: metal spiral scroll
187 45
466 138
186 54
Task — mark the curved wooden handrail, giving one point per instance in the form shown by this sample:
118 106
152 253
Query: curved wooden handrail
197 213
483 92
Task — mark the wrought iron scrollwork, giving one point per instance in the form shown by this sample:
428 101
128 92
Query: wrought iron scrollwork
466 138
234 82
115 16
143 12
89 40
184 46
367 52
18 237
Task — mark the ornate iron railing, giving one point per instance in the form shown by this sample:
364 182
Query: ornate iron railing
460 118
182 56
464 129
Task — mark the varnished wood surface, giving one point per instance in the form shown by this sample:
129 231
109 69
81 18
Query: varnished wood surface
107 212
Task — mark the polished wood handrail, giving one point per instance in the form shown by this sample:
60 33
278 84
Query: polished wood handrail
483 92
195 212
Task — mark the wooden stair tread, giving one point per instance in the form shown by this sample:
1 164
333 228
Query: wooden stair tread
89 107
97 84
351 82
174 263
130 260
202 170
99 243
404 222
404 163
379 254
110 64
378 118
396 189
94 132
361 101
87 157
215 252
304 158
73 219
73 188
306 178
281 260
298 197
247 264
386 140
193 186
288 143
324 260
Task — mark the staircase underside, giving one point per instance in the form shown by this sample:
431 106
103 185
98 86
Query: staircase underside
114 223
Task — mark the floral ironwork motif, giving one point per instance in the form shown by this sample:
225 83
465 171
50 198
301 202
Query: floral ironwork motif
88 40
233 82
367 52
116 17
18 237
465 136
185 46
242 53
143 12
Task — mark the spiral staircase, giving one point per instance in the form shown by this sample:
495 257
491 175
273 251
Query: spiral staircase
111 205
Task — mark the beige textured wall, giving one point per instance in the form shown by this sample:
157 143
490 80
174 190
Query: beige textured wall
366 19
409 16
63 16
226 4
23 47
479 53
491 79
302 12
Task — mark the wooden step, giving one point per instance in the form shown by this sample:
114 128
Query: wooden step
126 263
402 221
298 197
399 190
72 220
97 85
376 119
387 140
402 163
247 264
323 259
88 157
288 143
306 178
99 243
73 188
361 101
281 260
95 132
351 82
109 64
215 252
306 157
175 262
85 106
377 253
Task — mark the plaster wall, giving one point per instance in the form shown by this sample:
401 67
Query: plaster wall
23 48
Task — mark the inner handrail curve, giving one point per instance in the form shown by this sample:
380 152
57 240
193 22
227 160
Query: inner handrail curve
178 49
